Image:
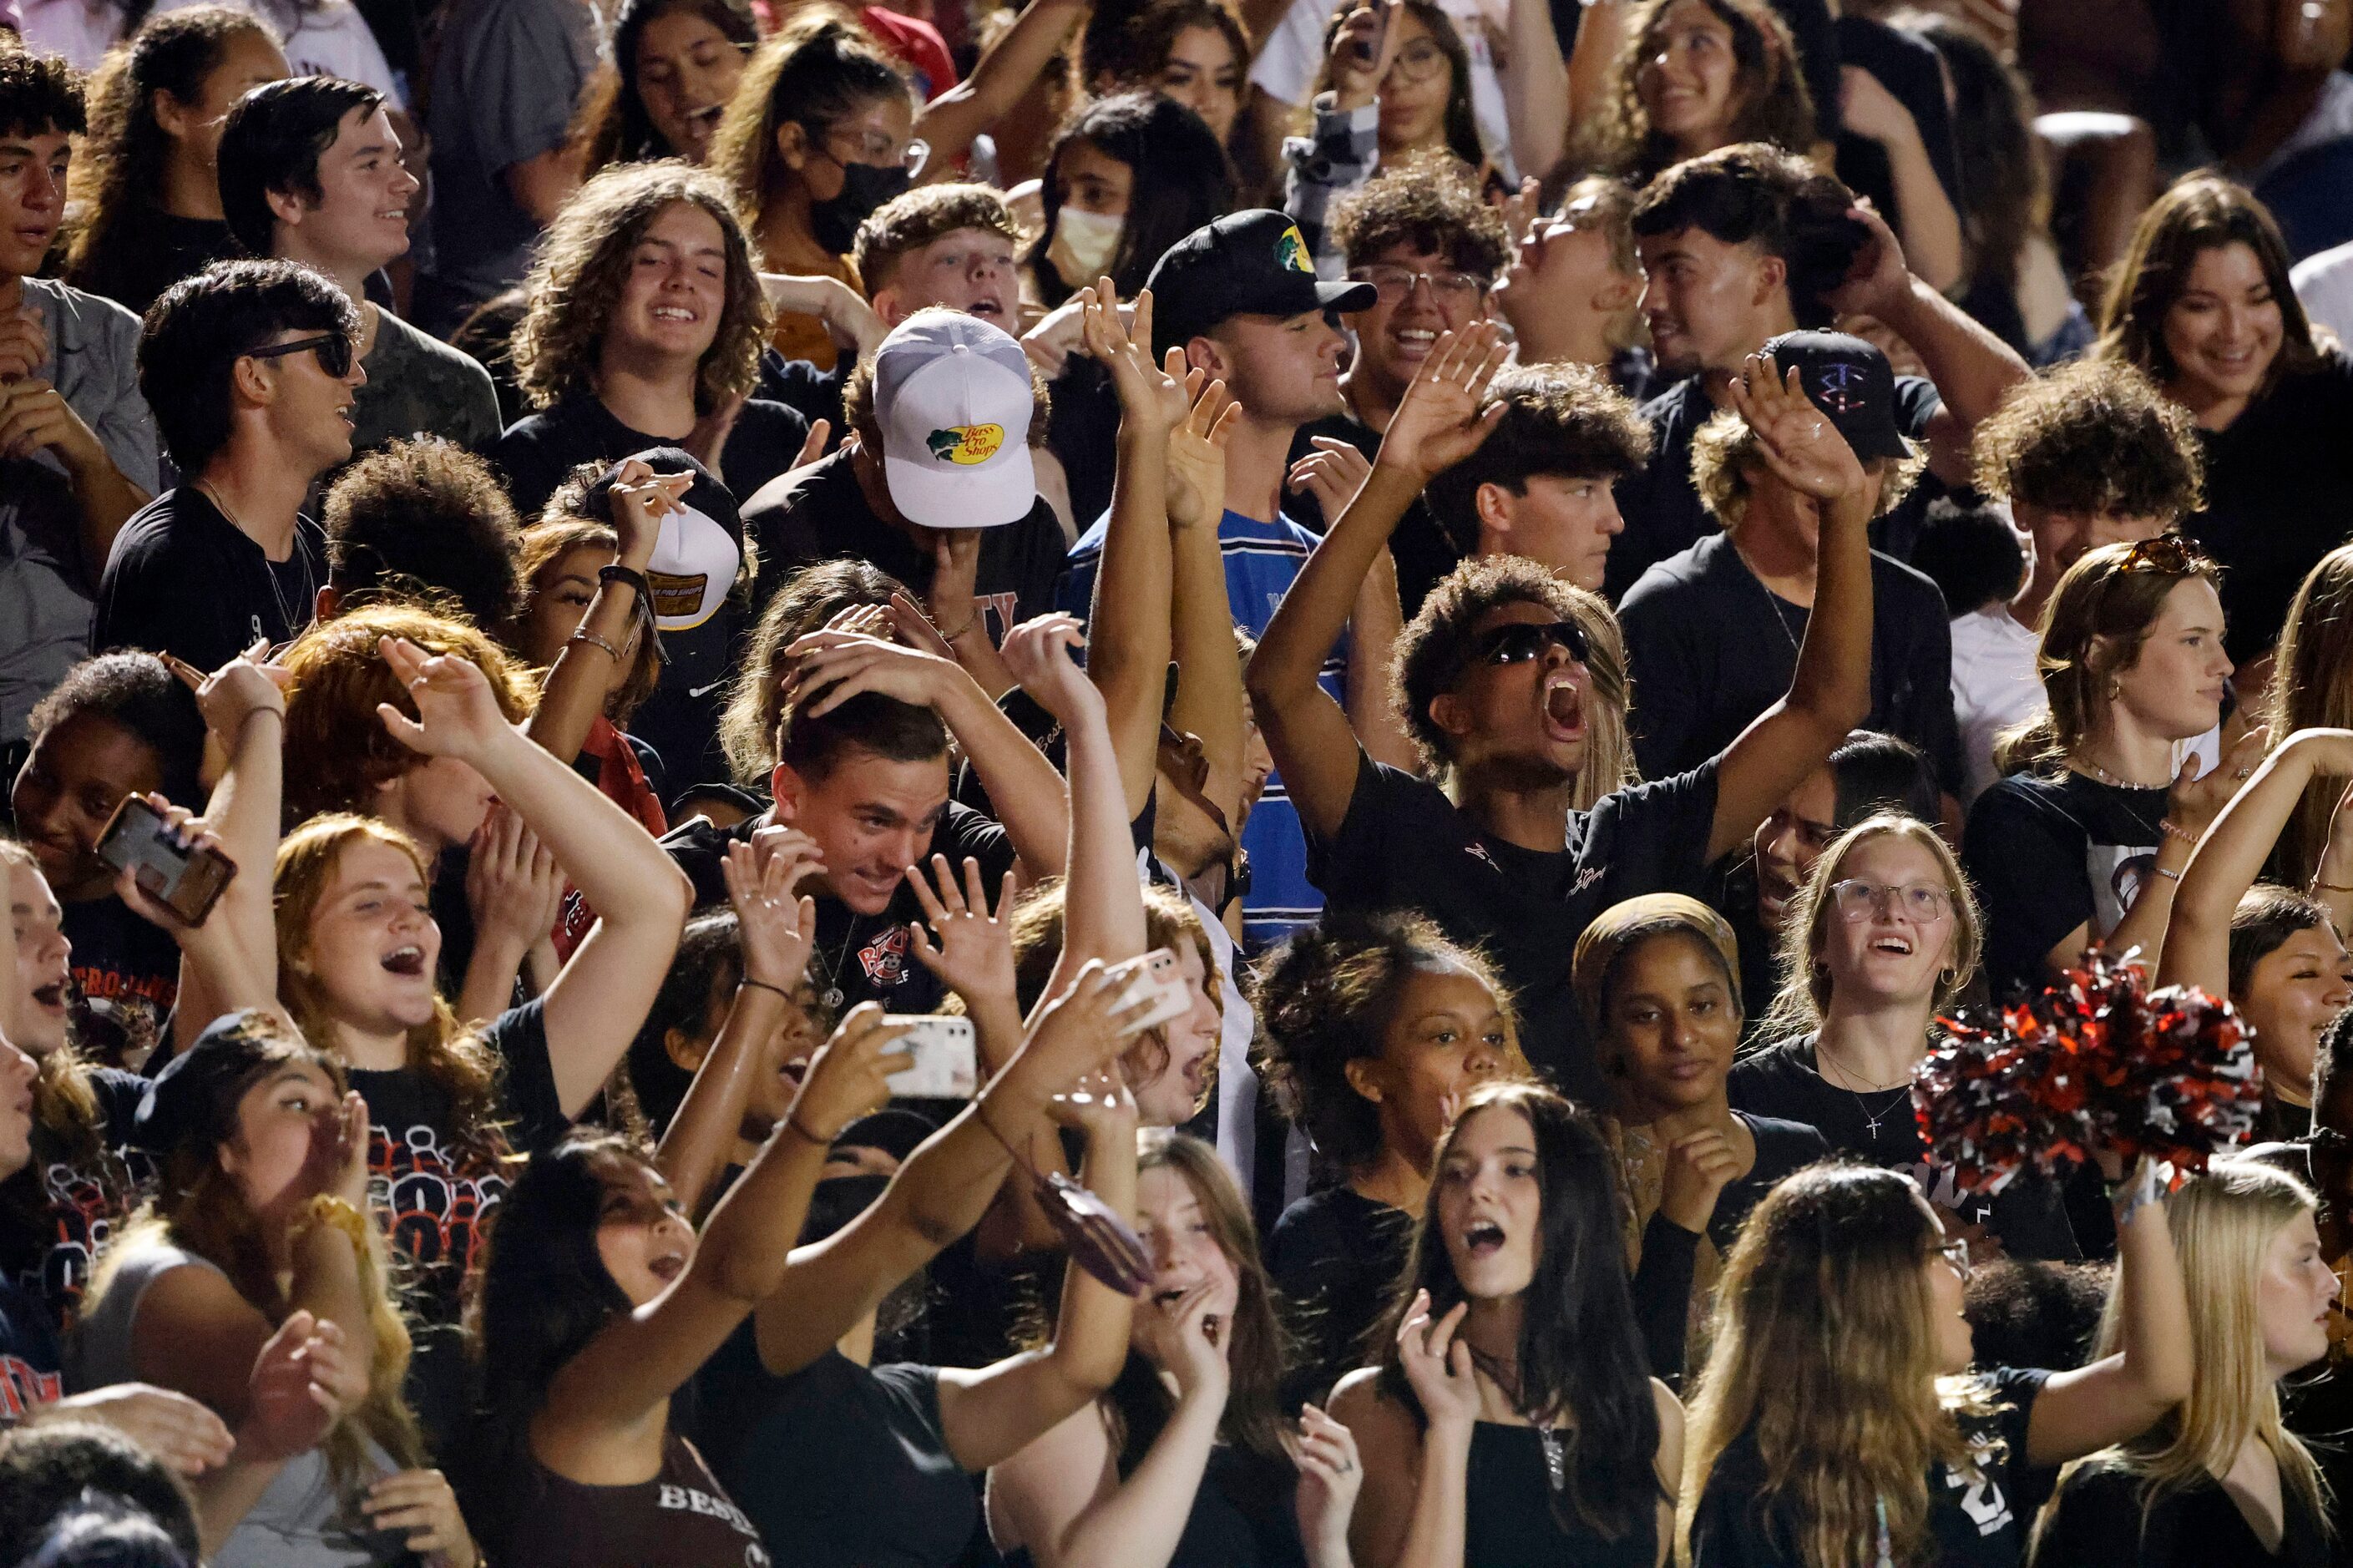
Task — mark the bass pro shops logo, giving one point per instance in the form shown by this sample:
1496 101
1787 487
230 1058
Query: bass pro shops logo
965 445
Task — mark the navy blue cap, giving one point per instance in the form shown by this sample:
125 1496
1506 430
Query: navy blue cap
1851 382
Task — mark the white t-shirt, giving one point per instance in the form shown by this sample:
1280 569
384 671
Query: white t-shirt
1286 68
2324 286
330 38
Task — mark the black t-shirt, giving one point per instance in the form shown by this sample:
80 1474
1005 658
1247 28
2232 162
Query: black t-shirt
1084 434
84 1196
680 1519
539 450
2279 495
1405 846
153 251
839 1466
1513 1517
183 579
798 384
822 515
1245 1514
126 973
1786 1081
2105 1517
1662 511
1710 648
865 958
1423 551
1912 71
31 1374
1969 1514
1335 1255
2052 854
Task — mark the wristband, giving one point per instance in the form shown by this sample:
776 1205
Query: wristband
763 985
630 575
593 640
2172 829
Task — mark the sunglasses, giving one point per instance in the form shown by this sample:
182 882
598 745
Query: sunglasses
1517 642
334 351
2167 552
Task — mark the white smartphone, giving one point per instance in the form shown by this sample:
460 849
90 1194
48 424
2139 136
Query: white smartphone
946 1058
1154 977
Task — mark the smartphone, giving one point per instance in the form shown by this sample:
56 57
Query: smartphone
186 882
946 1058
1157 978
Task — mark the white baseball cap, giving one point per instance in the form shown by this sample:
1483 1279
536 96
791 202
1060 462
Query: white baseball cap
952 395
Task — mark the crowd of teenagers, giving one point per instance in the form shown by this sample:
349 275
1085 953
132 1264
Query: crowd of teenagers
1163 783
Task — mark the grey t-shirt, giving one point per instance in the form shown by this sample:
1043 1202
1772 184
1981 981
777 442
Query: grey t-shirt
503 90
420 386
300 1520
45 581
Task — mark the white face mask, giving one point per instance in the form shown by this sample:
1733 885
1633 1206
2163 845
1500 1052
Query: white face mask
1084 245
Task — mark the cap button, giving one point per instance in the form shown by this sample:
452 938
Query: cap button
962 348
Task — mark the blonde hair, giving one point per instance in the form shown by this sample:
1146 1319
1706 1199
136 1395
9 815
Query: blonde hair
2312 688
2223 1221
1805 995
1823 1341
1724 450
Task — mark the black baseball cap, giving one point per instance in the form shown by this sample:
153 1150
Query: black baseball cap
1252 263
1851 382
194 1098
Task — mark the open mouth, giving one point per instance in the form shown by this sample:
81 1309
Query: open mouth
1893 944
1564 709
706 119
52 996
986 309
1414 342
674 313
668 1266
407 961
1483 1238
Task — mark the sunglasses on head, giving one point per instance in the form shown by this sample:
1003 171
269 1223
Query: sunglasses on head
2168 552
1516 642
334 351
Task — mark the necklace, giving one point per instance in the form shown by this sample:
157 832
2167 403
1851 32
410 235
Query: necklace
1773 603
1872 1118
310 590
831 995
2106 777
1555 1452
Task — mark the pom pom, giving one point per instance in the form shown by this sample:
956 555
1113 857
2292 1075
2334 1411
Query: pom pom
2098 1061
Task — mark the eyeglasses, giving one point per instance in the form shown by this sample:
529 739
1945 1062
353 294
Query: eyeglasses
1516 642
1957 1253
1859 900
1459 290
334 351
874 147
1418 61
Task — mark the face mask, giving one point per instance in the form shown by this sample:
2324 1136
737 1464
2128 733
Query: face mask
1084 245
864 187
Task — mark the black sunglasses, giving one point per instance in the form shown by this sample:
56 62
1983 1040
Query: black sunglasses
1516 642
334 351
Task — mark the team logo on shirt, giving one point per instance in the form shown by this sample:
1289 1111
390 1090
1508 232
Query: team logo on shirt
965 445
1479 852
25 1387
884 959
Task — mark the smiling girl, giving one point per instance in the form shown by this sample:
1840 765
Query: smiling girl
675 67
1697 75
1508 1422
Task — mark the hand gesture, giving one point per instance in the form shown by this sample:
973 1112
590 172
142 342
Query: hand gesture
1363 49
1081 1031
708 440
24 340
1098 1105
1522 210
638 500
849 1074
421 1505
248 684
173 1427
35 415
1153 397
1878 281
831 668
1438 1364
975 955
1186 1341
338 1163
1332 473
861 620
1700 1165
1438 423
288 1409
813 445
1197 449
1803 449
1060 333
954 600
1868 109
904 621
513 886
458 714
2191 804
775 930
1329 1475
1040 652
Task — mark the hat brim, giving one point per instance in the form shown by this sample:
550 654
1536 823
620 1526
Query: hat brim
992 498
1346 298
1882 440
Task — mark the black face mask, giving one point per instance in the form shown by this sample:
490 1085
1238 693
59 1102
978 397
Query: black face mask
864 187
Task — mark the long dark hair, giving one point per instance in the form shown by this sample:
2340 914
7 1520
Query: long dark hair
543 1294
1462 120
1773 106
613 126
1580 1356
1183 181
2198 213
126 149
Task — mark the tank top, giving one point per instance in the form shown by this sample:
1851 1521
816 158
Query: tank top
1510 1520
301 1520
680 1519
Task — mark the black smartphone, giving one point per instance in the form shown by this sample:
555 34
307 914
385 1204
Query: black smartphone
186 882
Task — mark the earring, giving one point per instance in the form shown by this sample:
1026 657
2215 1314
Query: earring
1944 979
2115 690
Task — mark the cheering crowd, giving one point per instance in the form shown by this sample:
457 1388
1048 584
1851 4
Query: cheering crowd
1171 784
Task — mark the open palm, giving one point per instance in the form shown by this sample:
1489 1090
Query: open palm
1439 422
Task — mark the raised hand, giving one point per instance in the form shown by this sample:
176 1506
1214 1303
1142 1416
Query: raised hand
1879 280
905 620
458 714
1197 448
185 829
638 502
1332 473
513 886
338 1162
1439 421
1522 211
820 431
1796 441
1187 1342
421 1505
2192 803
172 1427
954 600
1098 1105
1700 1165
1081 1031
288 1409
861 620
1040 654
975 955
774 929
248 684
829 667
849 1074
1154 396
1363 49
1329 1475
1437 1362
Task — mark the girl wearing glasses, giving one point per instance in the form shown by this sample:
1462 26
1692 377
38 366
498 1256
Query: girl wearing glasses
1838 1424
2219 1478
2087 840
1407 64
1882 939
